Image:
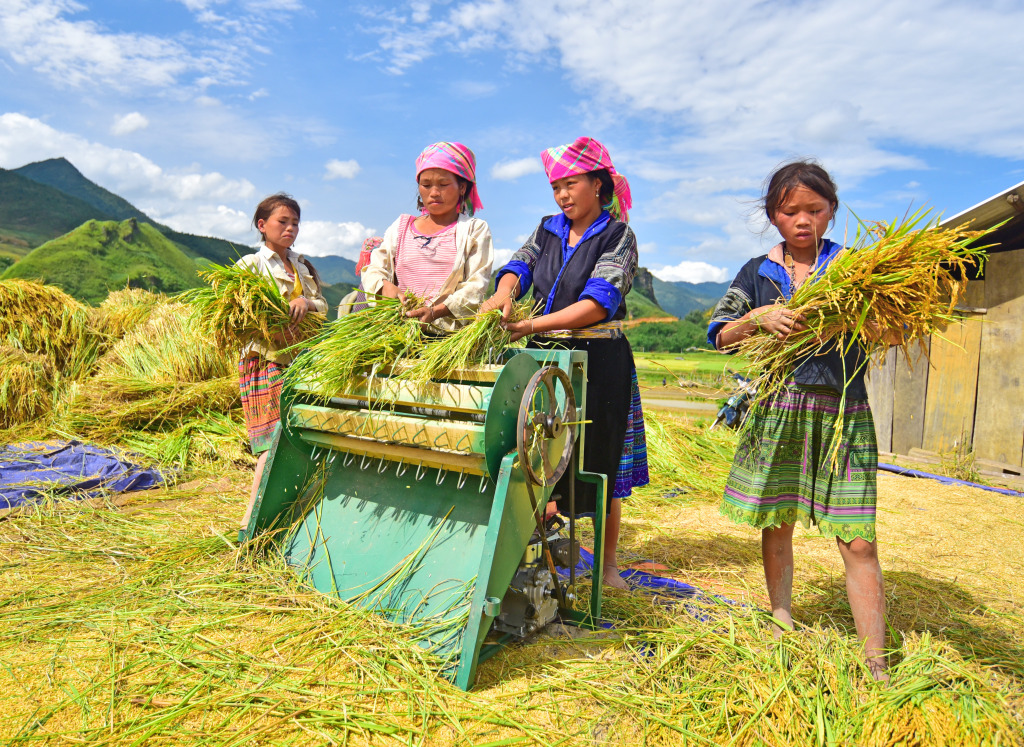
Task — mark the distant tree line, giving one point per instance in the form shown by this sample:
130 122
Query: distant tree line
671 337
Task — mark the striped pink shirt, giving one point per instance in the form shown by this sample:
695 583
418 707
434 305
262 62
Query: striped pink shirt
423 263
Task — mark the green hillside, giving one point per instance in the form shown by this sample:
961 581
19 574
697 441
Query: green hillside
60 174
101 256
32 213
680 298
335 269
639 306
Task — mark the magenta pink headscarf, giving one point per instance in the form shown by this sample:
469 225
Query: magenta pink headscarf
453 157
581 157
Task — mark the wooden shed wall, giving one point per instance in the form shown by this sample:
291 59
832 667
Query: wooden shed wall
973 389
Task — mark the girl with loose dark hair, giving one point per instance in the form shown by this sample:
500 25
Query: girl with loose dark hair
260 368
782 472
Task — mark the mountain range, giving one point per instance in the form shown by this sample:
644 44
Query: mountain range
58 226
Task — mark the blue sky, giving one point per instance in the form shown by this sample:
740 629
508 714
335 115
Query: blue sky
196 109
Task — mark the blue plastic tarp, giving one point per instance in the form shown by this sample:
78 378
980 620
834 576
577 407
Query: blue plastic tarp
907 472
661 585
31 470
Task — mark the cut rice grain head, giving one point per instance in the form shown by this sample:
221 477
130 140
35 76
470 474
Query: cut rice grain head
481 341
26 386
349 347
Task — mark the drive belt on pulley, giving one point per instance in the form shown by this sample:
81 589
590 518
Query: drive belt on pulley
546 435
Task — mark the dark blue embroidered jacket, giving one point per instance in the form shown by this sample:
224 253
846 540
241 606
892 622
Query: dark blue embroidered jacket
601 266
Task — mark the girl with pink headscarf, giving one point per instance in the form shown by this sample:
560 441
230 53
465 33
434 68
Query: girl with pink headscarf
581 263
444 254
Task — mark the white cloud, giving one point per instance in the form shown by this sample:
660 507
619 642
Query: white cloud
693 272
129 123
727 92
36 34
502 256
161 194
44 35
511 170
319 238
335 169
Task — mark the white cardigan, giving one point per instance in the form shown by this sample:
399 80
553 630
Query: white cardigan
463 291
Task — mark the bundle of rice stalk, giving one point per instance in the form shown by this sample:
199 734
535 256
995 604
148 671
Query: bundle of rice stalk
124 310
475 344
26 386
243 305
164 371
906 282
347 347
42 319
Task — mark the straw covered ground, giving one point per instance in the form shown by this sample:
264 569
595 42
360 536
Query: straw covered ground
144 622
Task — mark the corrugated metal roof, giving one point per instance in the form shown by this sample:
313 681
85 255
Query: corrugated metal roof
995 209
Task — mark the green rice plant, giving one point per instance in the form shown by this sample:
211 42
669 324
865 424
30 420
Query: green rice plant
353 345
42 319
26 386
897 284
242 305
479 342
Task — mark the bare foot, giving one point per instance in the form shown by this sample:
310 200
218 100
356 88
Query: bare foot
613 578
782 622
879 671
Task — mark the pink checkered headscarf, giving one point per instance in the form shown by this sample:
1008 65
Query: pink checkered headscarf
453 157
581 157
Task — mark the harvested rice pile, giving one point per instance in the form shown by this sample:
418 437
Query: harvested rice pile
163 372
242 305
124 310
147 624
45 320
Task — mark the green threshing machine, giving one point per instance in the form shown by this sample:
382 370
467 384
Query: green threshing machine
425 501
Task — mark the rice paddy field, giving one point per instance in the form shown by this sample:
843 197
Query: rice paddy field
139 619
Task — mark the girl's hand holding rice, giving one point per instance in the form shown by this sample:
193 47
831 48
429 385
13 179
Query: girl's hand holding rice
298 308
777 321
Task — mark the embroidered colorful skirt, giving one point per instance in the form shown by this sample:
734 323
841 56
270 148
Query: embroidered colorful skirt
782 472
632 471
260 383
